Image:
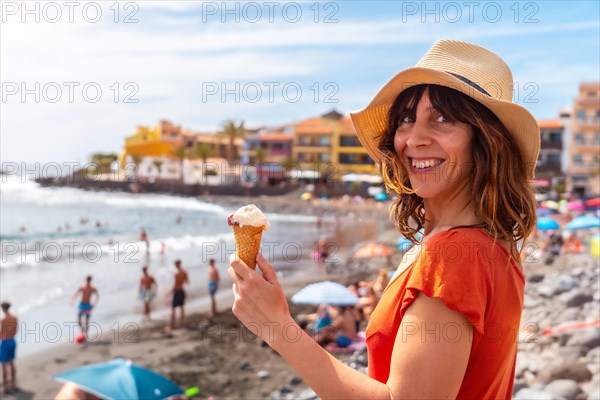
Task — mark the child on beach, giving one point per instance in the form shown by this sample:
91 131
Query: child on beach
147 291
178 292
457 155
8 345
213 285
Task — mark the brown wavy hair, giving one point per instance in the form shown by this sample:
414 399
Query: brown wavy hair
499 185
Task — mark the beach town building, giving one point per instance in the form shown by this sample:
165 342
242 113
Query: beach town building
269 153
329 146
583 155
165 150
549 168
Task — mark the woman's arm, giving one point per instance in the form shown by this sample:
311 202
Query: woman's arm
419 369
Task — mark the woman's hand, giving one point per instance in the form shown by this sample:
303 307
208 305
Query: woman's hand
259 299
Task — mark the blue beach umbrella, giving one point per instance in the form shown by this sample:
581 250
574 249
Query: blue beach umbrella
405 245
120 379
326 292
380 196
547 224
542 212
583 222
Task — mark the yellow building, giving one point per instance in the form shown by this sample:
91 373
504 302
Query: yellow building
165 138
583 156
329 144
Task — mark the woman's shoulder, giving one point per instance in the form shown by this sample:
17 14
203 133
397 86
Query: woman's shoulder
472 241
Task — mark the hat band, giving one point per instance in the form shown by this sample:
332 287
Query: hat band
470 83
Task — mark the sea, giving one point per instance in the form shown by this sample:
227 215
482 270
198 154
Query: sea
53 237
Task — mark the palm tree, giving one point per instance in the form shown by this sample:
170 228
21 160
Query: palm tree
259 158
180 153
203 152
104 161
232 131
157 163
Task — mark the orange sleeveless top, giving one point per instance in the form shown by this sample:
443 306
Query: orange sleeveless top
473 276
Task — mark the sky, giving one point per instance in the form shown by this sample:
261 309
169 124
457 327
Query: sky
78 77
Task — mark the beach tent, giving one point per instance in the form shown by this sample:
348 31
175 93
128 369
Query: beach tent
325 292
120 379
583 222
547 224
373 250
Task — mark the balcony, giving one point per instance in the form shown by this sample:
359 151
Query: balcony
548 167
551 144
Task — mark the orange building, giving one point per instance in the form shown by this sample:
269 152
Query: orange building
329 144
583 156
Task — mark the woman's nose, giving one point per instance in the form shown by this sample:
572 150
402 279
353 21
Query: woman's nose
419 135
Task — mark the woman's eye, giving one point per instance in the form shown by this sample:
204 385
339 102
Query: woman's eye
441 119
406 120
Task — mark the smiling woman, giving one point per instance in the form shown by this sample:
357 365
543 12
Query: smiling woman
457 156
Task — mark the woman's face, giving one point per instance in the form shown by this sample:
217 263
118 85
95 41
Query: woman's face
435 152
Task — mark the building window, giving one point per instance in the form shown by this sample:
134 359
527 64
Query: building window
349 141
596 160
304 140
596 140
324 141
580 139
553 158
555 137
577 159
302 157
324 157
580 115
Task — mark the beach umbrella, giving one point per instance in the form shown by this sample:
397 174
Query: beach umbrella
547 224
551 204
593 202
544 211
373 250
575 206
120 379
325 292
380 196
583 222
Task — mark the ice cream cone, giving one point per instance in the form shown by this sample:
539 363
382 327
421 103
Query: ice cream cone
247 243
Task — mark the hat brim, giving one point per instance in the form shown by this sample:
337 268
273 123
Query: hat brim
371 122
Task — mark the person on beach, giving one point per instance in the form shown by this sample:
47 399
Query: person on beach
143 237
343 329
148 288
457 156
178 301
86 305
8 346
213 285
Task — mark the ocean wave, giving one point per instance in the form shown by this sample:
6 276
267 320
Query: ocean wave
15 189
29 255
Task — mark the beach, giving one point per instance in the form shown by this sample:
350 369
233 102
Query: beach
559 339
40 290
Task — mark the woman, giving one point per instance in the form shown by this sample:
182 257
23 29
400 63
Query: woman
457 154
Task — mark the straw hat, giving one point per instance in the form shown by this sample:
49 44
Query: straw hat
470 69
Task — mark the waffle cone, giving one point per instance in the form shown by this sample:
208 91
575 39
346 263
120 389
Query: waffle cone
247 243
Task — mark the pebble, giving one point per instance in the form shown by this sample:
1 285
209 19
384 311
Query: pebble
564 388
262 374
